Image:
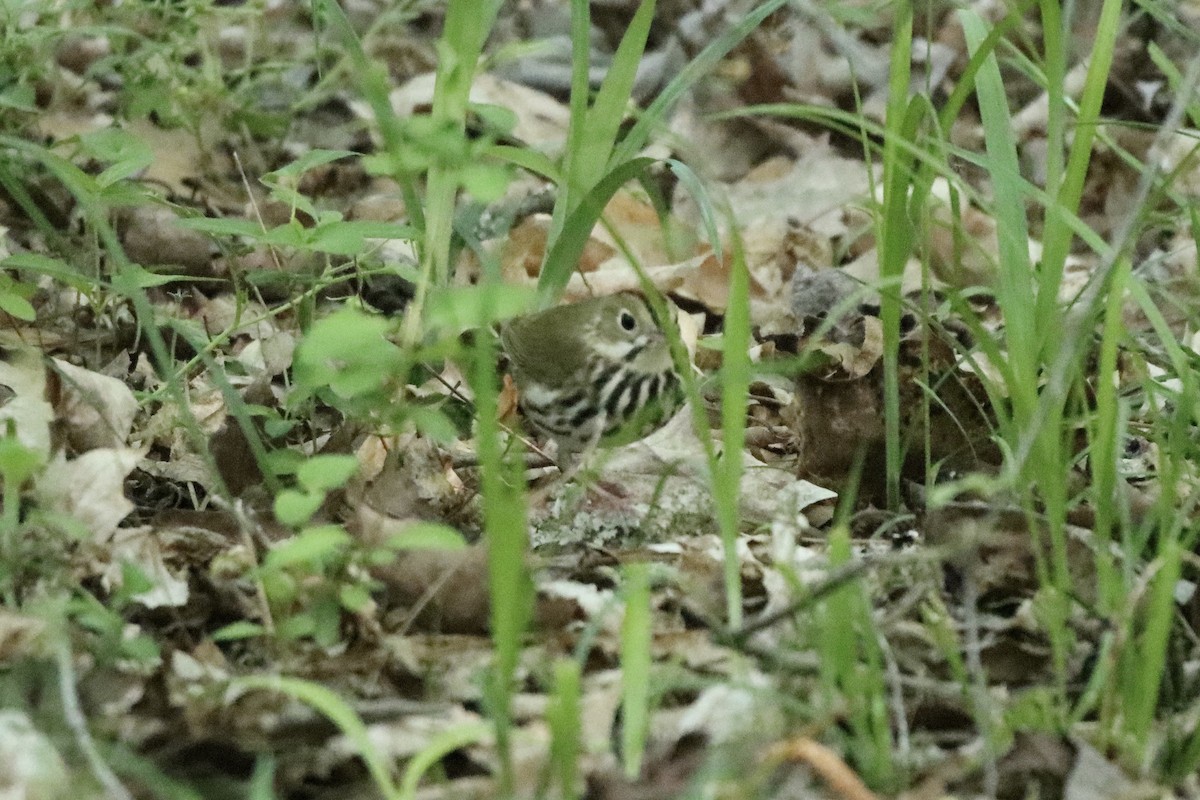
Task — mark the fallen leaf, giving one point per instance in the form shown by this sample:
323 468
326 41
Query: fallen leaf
89 489
96 410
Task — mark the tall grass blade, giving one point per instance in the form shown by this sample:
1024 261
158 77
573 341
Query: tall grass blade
337 711
735 390
510 587
636 635
565 723
563 256
895 235
466 27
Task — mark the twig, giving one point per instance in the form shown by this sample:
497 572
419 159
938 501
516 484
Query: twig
831 582
896 686
77 722
247 528
836 774
979 693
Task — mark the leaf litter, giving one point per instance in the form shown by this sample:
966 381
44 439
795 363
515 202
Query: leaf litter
175 595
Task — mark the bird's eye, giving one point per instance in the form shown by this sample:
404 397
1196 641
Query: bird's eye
627 321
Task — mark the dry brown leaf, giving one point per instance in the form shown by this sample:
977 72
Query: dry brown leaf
30 766
182 157
856 360
523 251
96 410
618 275
727 713
20 637
541 120
23 373
438 590
1094 777
89 489
814 190
636 222
142 548
408 481
153 237
707 283
836 773
964 251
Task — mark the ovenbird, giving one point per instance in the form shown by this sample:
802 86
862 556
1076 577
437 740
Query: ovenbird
596 372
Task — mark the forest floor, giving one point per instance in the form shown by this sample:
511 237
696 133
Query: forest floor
925 527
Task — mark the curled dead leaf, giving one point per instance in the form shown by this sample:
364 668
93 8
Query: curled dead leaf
89 489
96 410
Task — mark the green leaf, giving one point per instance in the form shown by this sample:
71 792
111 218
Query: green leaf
223 227
311 546
18 463
326 614
326 472
281 588
496 119
462 308
141 648
19 97
347 352
313 158
275 428
17 306
295 508
432 423
126 153
134 580
133 278
350 238
354 597
427 536
486 182
242 629
45 265
289 234
297 626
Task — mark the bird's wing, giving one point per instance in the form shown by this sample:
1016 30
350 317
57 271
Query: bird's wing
540 356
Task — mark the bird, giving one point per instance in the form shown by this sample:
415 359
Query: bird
594 373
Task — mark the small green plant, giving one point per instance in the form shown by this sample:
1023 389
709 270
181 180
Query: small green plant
314 577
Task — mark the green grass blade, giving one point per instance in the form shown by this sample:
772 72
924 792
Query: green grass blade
564 718
337 711
593 129
608 109
564 254
509 585
440 745
374 86
1105 444
529 160
735 391
1056 238
635 668
581 47
712 54
1015 287
895 235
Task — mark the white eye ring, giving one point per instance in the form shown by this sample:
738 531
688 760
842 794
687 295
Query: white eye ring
627 321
